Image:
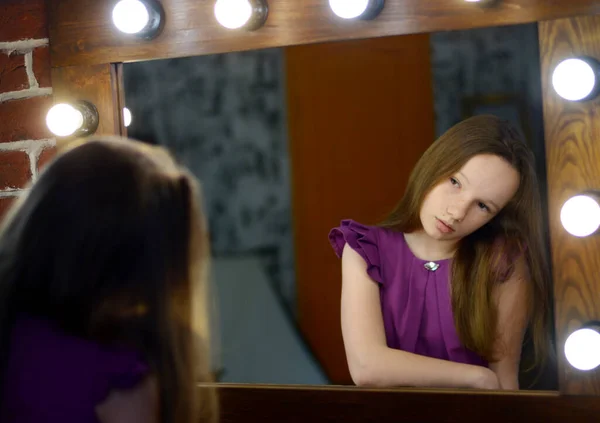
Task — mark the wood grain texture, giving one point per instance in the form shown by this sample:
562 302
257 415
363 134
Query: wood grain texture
266 404
118 87
81 31
96 84
572 133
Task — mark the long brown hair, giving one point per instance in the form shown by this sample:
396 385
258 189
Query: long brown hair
484 258
111 246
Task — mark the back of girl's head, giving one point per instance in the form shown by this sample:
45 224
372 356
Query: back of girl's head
109 244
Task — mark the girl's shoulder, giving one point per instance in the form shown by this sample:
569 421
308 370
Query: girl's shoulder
67 368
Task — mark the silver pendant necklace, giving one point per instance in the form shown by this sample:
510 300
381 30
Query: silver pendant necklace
431 266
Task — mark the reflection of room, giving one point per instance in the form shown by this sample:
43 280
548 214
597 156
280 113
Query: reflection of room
225 117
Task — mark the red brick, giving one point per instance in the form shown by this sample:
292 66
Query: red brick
15 171
24 119
21 20
41 66
13 75
46 155
5 204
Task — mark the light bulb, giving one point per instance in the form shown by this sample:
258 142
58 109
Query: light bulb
482 2
64 120
130 16
582 349
574 79
353 9
142 18
236 14
126 117
76 119
580 215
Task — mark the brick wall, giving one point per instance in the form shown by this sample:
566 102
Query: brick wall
25 96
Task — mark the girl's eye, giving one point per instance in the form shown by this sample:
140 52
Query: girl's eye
483 206
454 181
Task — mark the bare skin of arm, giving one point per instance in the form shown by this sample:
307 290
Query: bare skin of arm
137 405
371 362
511 300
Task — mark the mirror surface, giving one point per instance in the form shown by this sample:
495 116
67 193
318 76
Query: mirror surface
271 134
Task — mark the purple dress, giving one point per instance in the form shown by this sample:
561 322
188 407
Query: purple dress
54 377
415 302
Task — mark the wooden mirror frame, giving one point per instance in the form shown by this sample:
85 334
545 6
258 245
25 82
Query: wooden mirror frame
86 56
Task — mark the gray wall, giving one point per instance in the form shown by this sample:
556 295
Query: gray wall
224 117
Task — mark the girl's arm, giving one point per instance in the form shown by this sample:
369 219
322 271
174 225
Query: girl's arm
138 405
511 300
371 361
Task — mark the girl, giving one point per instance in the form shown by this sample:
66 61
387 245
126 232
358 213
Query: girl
441 293
102 291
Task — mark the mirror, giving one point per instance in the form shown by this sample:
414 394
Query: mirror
272 133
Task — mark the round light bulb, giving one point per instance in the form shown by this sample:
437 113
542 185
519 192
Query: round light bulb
126 117
233 14
63 120
582 349
348 9
130 16
482 3
580 215
574 79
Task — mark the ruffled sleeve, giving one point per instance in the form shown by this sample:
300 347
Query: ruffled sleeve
362 239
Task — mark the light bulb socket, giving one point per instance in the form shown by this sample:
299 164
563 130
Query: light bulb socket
260 12
156 20
484 3
90 119
374 8
592 324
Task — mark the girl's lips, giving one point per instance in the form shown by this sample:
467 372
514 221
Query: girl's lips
443 227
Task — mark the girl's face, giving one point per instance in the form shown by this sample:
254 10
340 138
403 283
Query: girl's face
468 199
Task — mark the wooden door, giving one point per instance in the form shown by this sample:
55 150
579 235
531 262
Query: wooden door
360 114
